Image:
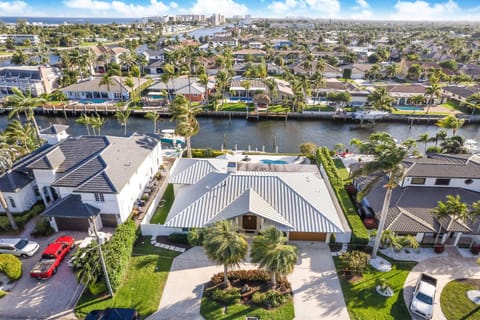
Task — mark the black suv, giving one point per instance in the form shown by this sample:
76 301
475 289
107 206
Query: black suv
113 314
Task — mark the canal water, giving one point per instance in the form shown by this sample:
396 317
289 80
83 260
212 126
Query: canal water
262 134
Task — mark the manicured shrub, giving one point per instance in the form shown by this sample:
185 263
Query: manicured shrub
195 237
98 288
259 298
11 266
180 238
227 296
269 299
355 262
242 275
21 219
42 228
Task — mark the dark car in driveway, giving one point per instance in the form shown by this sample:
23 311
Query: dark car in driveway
113 314
367 216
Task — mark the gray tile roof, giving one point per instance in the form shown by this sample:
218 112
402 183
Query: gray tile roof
98 164
72 207
11 181
445 166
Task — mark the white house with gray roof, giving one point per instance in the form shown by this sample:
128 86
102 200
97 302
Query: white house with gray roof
293 198
427 181
82 177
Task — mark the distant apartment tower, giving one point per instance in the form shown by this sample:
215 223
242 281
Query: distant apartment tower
21 38
30 79
191 18
217 19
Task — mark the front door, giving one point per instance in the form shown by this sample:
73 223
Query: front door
249 222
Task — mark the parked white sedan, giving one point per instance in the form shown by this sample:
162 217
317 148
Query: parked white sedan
19 247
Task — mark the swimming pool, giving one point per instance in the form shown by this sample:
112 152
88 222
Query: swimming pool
408 108
268 161
92 101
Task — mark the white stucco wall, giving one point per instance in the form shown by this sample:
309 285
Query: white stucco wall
24 199
454 183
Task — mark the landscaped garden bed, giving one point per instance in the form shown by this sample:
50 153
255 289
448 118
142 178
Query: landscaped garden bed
455 302
250 294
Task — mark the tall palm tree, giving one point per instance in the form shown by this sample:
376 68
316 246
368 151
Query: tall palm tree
153 115
434 91
224 245
425 138
24 103
21 135
168 73
451 122
440 136
223 78
203 80
381 99
106 81
391 71
122 117
388 162
473 102
270 251
6 163
97 122
84 120
184 114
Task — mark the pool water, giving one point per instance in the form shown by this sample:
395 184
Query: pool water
409 108
268 161
95 101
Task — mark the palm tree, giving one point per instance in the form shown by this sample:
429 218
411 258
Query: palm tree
168 72
84 120
183 113
451 122
388 162
203 80
131 85
97 122
391 71
224 245
440 136
106 81
6 163
417 99
247 85
24 103
433 91
270 251
425 138
122 117
153 115
23 136
473 102
381 99
223 78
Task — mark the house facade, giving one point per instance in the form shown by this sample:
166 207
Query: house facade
29 79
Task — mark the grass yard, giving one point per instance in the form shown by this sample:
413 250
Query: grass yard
455 303
161 212
321 108
363 302
142 286
235 106
211 310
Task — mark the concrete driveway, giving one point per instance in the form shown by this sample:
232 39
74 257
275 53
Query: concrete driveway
42 299
317 293
445 269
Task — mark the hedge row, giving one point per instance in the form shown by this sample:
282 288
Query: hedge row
118 251
359 232
242 275
207 153
11 266
22 218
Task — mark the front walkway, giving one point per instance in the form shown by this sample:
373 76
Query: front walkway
317 293
445 269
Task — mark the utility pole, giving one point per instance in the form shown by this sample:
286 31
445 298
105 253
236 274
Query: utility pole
102 260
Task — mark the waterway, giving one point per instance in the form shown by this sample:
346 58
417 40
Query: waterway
262 134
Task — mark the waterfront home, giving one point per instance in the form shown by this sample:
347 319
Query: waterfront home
92 91
87 176
460 93
293 197
185 85
29 79
244 89
427 181
105 55
329 71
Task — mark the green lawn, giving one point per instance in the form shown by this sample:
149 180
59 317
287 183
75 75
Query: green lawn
212 310
319 108
142 286
423 113
455 303
236 106
363 302
161 212
342 171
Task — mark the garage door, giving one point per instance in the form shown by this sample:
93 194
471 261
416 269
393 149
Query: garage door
109 220
78 224
308 236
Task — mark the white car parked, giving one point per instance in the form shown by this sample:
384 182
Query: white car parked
19 247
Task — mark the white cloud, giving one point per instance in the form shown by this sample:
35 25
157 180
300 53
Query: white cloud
225 7
362 3
305 8
115 8
14 8
422 10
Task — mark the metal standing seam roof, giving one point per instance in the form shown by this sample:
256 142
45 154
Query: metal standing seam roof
190 171
211 200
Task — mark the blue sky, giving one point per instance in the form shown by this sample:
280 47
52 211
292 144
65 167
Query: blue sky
419 10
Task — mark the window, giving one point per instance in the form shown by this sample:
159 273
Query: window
99 197
468 181
117 95
442 182
418 180
12 202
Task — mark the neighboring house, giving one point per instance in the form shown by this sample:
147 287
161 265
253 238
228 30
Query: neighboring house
105 55
224 41
358 69
460 93
329 72
241 55
95 176
471 69
403 93
359 97
280 43
154 55
427 181
293 198
187 86
21 38
239 91
283 91
91 89
30 79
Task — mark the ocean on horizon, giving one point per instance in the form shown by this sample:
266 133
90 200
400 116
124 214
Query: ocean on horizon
62 20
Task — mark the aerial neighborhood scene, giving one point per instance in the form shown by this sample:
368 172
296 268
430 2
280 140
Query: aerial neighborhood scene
240 159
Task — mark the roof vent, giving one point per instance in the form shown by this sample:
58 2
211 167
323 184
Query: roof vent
231 167
128 164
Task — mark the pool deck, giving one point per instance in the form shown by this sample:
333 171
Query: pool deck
239 156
